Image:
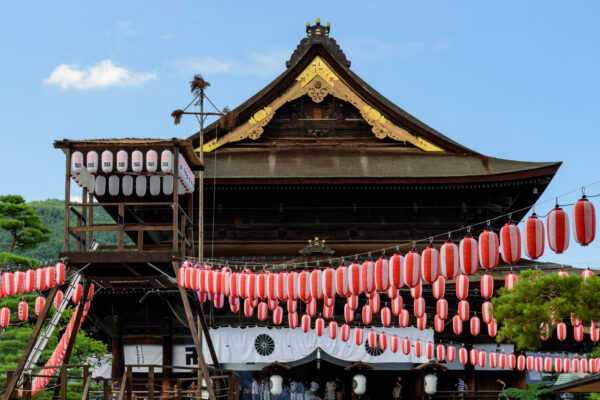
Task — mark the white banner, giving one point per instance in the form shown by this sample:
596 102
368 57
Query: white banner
143 354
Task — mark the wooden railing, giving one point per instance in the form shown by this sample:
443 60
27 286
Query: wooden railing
148 385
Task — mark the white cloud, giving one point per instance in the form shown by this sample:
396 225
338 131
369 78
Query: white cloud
257 64
101 75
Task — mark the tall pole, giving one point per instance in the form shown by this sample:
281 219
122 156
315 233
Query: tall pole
201 182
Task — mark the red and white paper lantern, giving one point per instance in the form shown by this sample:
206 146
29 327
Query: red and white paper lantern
482 358
354 275
394 344
558 230
457 325
327 312
341 280
345 332
451 353
463 356
348 313
417 290
311 307
367 276
332 328
77 293
487 286
329 288
303 285
463 310
396 271
406 346
438 287
29 281
419 307
486 312
58 298
473 357
462 286
386 316
375 303
8 284
422 322
316 284
533 237
382 274
248 308
4 317
305 323
352 302
442 308
359 336
578 333
403 318
430 262
418 348
475 325
510 280
493 359
382 340
510 240
23 311
521 362
412 268
488 249
587 273
492 328
234 304
561 331
263 311
511 361
429 350
469 256
438 324
396 305
584 222
449 260
367 315
293 320
319 326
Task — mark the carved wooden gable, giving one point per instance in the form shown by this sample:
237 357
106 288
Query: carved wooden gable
319 83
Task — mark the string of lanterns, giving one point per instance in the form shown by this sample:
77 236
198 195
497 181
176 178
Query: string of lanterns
57 357
28 281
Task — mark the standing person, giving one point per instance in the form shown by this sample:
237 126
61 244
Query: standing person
461 388
339 394
293 390
330 390
397 391
255 389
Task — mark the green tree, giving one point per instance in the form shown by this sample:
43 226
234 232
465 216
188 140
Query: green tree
537 391
23 225
544 298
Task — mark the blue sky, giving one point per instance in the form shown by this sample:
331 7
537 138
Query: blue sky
510 79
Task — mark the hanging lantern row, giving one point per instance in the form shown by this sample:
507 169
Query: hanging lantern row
57 357
23 282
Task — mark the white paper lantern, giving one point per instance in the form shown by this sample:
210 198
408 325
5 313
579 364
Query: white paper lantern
166 161
137 161
359 384
92 162
122 161
151 161
154 185
107 161
167 185
140 185
113 185
127 185
100 185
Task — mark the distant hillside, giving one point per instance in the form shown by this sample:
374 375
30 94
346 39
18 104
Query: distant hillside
52 213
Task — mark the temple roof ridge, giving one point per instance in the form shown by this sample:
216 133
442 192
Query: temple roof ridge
318 34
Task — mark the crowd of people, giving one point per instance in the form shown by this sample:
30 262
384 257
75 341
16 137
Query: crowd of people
296 389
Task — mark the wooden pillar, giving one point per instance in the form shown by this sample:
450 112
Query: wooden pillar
129 383
167 353
151 382
519 379
117 352
27 387
67 197
175 199
194 332
90 220
107 393
63 383
470 378
86 383
11 381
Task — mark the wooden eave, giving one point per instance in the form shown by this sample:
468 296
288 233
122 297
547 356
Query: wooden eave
185 146
371 96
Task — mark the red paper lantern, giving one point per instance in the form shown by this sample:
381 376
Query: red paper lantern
319 326
418 348
345 332
292 305
493 359
234 304
449 263
327 312
60 271
225 280
482 358
311 307
487 286
329 288
450 354
578 333
492 328
386 316
521 362
486 312
575 365
488 249
293 282
233 284
439 287
263 311
348 313
77 293
412 263
181 275
352 302
429 350
438 324
4 317
419 307
417 290
262 283
354 275
332 329
277 315
367 276
533 237
406 346
558 230
396 271
341 280
58 298
587 273
394 344
293 320
539 364
23 311
305 323
468 255
29 281
422 322
463 310
40 280
594 333
328 301
375 303
566 365
367 315
561 331
473 354
358 336
219 301
584 222
8 284
442 308
18 277
397 305
242 284
510 240
502 361
475 325
510 280
316 284
457 325
463 356
248 309
462 286
382 274
382 341
430 263
403 318
563 273
303 285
